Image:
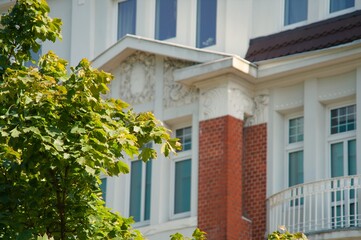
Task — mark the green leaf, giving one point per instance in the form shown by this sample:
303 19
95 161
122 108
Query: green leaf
58 144
15 133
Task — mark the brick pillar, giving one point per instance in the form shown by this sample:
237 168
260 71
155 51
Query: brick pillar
220 200
255 179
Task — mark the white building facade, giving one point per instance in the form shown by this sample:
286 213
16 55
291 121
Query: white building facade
264 95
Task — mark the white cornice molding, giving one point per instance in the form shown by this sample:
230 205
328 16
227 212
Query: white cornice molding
197 73
111 57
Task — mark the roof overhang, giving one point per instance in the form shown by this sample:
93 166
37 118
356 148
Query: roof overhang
126 46
313 64
228 65
211 64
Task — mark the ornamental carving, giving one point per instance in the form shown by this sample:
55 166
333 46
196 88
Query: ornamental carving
176 94
259 112
241 104
211 101
137 78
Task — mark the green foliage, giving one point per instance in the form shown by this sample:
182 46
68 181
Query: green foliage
197 235
57 135
283 234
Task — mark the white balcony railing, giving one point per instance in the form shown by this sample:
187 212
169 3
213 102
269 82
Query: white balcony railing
317 206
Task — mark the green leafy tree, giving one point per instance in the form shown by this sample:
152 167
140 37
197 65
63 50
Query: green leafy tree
57 135
284 234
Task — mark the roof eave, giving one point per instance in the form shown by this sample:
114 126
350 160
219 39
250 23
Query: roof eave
126 46
229 65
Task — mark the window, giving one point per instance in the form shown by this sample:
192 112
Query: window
166 19
295 130
295 11
294 151
140 190
342 147
183 174
126 17
206 23
103 188
295 166
338 5
343 119
295 158
185 138
343 143
343 158
182 188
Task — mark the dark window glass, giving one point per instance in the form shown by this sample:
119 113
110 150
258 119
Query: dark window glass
338 5
206 23
166 19
185 137
343 119
295 11
126 17
182 189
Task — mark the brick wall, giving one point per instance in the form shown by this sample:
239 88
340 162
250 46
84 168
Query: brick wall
227 165
220 179
254 172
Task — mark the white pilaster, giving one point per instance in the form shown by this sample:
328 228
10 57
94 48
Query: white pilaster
82 31
314 134
358 118
159 193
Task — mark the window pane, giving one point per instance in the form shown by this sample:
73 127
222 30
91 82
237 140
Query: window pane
337 159
295 173
352 157
166 19
126 17
337 5
103 188
182 189
206 23
295 131
148 184
185 138
135 190
343 119
295 11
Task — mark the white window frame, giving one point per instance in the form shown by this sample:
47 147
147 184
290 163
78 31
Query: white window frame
343 137
340 12
291 147
115 18
338 137
180 156
293 25
156 26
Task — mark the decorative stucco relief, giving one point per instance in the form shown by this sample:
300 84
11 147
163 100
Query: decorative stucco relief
211 103
137 76
241 104
259 111
176 94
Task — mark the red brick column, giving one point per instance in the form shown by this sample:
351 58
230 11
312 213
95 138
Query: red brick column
220 200
254 172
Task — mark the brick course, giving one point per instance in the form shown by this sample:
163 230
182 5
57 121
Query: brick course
255 178
223 175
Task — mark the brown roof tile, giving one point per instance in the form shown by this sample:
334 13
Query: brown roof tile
324 34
